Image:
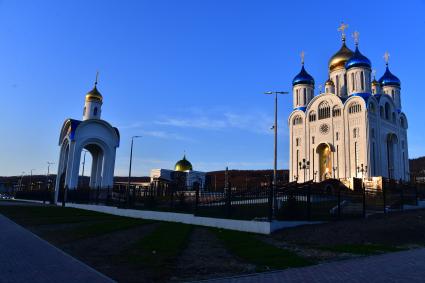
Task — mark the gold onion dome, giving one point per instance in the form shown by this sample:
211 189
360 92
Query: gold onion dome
329 82
183 165
94 94
339 59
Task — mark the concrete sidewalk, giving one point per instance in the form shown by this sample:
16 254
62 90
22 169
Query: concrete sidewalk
407 266
24 257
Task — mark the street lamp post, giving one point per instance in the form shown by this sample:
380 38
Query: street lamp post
129 169
361 169
275 146
84 163
31 178
304 165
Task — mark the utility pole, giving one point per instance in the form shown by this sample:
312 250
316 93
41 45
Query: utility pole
129 169
275 145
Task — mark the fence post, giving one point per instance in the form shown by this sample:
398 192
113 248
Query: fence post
384 196
309 202
270 204
416 194
65 190
229 200
401 198
364 199
339 202
196 197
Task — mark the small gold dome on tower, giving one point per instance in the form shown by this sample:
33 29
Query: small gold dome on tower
94 95
329 82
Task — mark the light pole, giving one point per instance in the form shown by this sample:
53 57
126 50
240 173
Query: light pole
31 178
20 183
275 145
48 173
84 163
129 169
361 169
304 165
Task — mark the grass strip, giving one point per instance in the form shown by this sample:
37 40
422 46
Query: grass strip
265 256
159 249
361 249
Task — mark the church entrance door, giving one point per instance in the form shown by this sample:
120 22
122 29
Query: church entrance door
325 161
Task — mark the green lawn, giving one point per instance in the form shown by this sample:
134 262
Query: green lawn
265 256
159 249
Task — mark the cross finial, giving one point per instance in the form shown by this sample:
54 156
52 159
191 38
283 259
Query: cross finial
302 55
320 88
342 28
356 35
97 77
386 57
374 73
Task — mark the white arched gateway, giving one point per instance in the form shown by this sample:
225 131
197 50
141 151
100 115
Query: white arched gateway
96 136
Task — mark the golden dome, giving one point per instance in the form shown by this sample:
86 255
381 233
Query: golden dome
375 82
94 95
338 60
329 82
183 165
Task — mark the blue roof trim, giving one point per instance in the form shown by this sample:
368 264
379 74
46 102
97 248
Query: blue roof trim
303 78
74 125
302 108
364 95
358 60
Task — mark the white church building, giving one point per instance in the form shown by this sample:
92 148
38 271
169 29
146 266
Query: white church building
355 128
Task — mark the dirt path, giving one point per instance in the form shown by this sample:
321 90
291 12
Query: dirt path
205 257
103 253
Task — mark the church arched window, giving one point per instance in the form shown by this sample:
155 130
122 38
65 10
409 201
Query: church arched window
297 120
354 108
394 119
362 80
298 96
95 111
336 111
312 116
305 96
84 111
402 122
353 82
324 110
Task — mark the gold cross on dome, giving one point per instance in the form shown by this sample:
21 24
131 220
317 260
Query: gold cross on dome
97 77
342 28
302 55
386 57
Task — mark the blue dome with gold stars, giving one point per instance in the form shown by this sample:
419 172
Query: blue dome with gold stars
303 78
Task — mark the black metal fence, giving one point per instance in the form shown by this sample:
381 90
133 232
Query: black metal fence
309 201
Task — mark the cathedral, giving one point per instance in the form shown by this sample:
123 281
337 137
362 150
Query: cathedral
355 128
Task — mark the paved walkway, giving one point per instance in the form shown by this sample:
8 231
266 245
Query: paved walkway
408 266
26 258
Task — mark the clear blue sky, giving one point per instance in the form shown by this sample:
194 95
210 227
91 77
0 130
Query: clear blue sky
187 75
